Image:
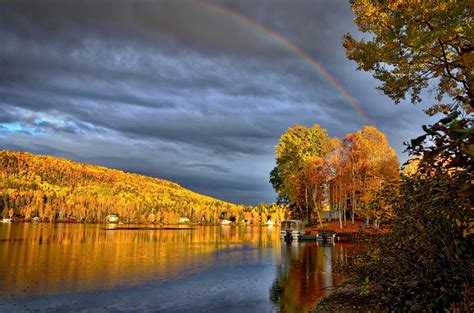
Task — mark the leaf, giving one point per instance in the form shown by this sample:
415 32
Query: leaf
449 118
418 141
469 149
460 134
429 131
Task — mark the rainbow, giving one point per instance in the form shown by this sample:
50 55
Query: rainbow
300 53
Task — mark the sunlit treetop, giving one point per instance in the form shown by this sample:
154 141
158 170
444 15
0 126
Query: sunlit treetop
416 44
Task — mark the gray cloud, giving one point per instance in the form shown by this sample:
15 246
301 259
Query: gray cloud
184 90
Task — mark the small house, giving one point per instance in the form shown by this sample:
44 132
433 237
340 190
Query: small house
183 220
112 218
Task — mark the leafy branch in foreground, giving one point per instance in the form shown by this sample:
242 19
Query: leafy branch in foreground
426 263
418 45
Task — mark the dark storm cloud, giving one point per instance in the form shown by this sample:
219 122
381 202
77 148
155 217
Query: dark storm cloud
180 89
213 167
7 114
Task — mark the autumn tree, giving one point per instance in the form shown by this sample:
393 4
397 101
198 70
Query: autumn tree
416 45
370 162
315 171
339 183
317 174
411 46
296 146
276 182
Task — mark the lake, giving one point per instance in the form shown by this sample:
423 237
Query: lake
77 267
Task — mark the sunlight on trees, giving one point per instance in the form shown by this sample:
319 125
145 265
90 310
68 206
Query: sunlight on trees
54 189
314 170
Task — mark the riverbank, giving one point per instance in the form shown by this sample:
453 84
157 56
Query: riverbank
344 298
349 233
347 297
133 222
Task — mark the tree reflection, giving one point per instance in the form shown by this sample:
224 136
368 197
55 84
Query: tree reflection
57 258
304 274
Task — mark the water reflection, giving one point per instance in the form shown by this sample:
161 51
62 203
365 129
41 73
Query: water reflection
233 267
305 274
48 258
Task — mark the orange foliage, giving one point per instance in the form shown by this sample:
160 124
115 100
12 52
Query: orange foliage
345 175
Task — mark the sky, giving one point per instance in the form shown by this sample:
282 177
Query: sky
196 92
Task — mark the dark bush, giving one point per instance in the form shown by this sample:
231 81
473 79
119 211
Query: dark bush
426 263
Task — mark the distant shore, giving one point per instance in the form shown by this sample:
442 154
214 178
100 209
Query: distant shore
350 233
19 220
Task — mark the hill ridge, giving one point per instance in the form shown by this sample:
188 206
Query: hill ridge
55 188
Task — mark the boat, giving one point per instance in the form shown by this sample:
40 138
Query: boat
6 220
225 222
291 230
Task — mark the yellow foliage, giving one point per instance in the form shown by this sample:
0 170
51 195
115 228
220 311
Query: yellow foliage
53 189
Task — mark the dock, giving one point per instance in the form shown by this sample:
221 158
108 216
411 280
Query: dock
322 236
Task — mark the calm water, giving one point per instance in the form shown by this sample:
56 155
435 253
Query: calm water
76 267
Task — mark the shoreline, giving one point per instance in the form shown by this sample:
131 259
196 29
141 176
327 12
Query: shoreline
349 296
350 233
74 221
344 298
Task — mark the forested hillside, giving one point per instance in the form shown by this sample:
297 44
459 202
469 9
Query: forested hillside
55 189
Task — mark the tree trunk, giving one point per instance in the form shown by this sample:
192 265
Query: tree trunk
345 210
340 208
340 219
353 206
302 212
306 197
316 206
319 215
